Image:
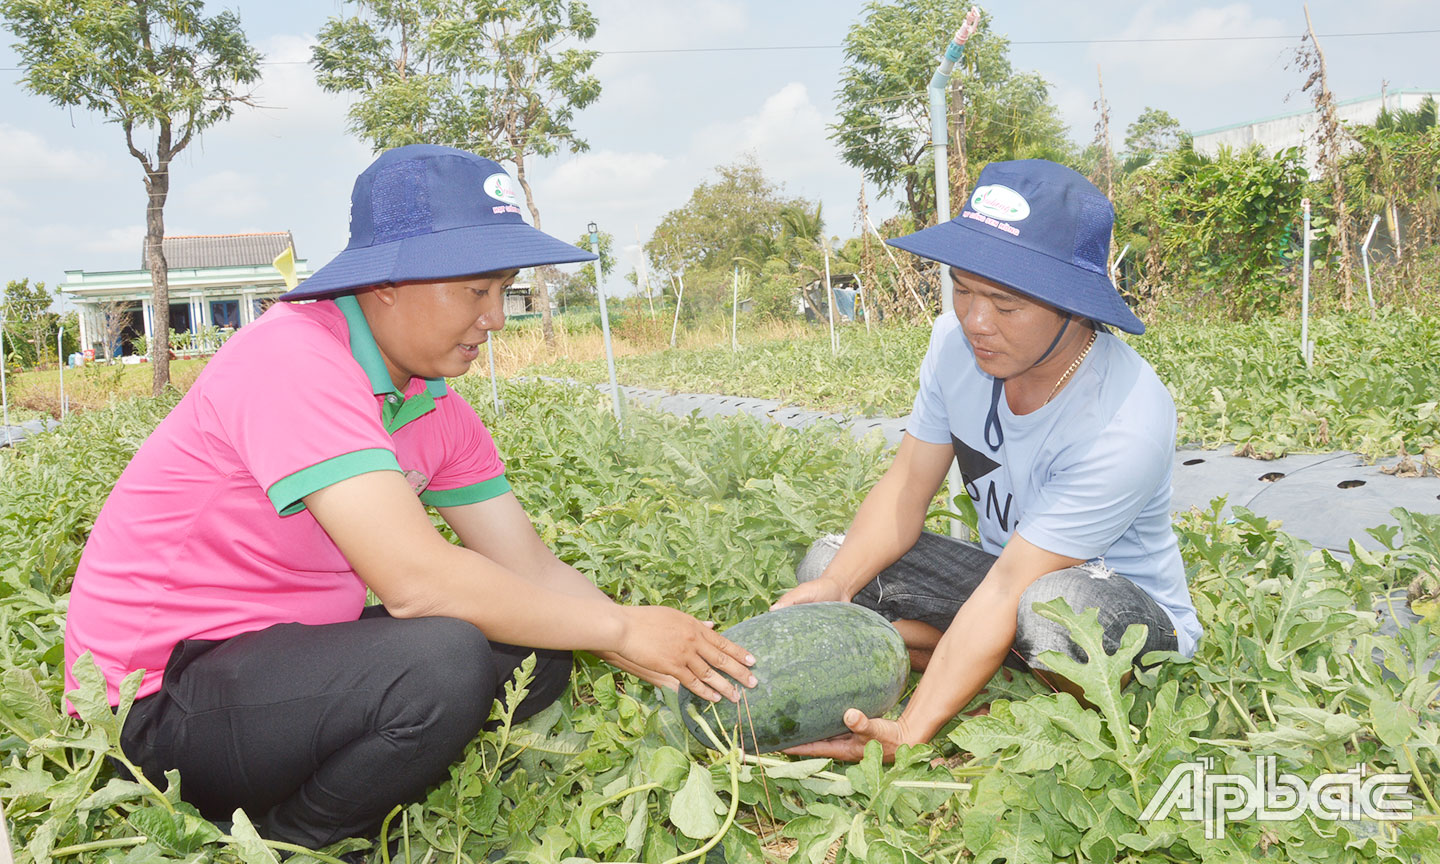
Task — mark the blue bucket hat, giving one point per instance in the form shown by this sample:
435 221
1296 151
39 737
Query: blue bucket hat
1040 229
428 213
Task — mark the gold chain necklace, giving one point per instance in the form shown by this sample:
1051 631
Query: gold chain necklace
1070 371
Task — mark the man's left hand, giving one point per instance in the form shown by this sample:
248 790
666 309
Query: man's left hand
850 747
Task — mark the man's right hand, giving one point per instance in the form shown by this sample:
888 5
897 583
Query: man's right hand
670 642
815 591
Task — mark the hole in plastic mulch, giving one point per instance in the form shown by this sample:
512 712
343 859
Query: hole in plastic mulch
1349 484
1192 461
1272 476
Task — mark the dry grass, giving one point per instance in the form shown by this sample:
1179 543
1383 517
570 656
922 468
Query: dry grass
517 350
521 348
93 386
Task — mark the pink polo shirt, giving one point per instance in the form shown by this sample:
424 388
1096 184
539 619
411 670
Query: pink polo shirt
205 535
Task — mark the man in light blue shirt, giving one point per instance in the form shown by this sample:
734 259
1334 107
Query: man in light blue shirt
1064 438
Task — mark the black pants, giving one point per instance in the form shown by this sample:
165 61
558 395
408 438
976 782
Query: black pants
319 731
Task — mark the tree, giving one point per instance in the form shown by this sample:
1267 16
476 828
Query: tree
1216 232
114 315
721 221
578 288
585 276
1154 132
884 126
494 78
150 67
29 323
1395 172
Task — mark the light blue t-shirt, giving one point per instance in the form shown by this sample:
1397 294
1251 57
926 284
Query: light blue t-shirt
1086 476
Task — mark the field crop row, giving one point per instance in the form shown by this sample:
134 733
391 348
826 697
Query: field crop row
712 516
1373 386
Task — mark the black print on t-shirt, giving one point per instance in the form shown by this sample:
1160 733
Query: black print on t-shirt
974 465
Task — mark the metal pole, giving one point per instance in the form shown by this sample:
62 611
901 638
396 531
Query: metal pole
679 295
1305 347
734 309
60 360
605 322
494 388
830 303
1365 257
939 137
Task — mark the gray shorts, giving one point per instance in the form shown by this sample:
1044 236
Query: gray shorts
934 579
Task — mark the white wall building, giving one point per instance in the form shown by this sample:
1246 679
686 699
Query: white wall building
1297 129
223 281
220 281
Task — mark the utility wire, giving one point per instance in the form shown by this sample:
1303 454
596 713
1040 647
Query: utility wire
1128 41
1039 42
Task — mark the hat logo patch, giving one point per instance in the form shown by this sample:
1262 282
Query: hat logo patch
498 186
1000 202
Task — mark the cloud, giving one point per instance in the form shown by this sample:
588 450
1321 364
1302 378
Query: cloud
223 196
1194 65
634 25
25 156
787 136
636 83
606 176
619 190
290 103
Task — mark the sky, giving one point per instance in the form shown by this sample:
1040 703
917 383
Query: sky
71 196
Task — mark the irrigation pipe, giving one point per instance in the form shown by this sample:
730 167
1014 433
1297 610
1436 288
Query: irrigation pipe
4 393
939 141
1306 349
60 361
605 322
939 135
1365 257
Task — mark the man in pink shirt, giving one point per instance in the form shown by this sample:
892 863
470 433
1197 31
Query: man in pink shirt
232 558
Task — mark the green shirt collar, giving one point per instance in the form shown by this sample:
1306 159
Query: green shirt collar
367 353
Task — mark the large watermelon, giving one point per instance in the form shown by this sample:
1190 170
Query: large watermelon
812 661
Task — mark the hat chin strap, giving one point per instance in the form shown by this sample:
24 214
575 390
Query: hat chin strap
992 419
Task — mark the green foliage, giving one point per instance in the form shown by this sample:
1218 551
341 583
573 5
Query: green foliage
501 78
1218 232
578 289
142 65
712 516
1154 133
884 127
29 323
722 222
1395 173
165 67
494 78
1372 387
